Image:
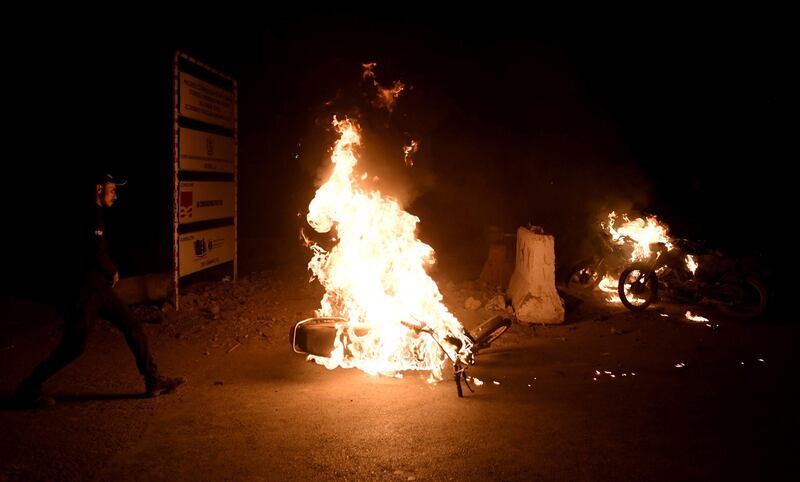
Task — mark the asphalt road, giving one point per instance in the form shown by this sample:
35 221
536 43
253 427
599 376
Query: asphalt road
686 402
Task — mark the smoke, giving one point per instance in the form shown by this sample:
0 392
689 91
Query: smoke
489 156
392 158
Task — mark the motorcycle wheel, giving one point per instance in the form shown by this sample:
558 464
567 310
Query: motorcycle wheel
584 275
635 293
748 299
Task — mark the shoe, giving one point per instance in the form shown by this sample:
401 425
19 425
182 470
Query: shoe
163 385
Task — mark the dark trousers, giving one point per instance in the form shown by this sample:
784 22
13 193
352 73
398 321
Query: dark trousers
96 300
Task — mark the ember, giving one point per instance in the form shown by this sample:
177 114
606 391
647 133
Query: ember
690 316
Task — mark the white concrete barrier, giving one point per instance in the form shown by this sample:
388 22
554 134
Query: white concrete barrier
533 284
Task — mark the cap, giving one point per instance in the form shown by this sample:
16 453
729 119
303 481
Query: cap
108 178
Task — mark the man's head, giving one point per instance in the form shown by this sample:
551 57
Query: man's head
106 194
106 190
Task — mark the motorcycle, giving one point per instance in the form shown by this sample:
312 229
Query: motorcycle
691 273
317 336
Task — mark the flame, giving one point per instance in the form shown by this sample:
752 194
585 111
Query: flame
368 73
691 263
409 150
631 297
609 285
375 276
641 232
690 316
386 95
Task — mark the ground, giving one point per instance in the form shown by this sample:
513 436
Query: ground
609 395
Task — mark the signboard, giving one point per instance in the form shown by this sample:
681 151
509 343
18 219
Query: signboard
201 201
205 102
203 249
206 152
204 172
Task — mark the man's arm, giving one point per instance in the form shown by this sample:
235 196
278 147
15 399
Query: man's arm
101 257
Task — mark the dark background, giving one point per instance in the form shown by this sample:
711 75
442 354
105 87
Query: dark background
521 118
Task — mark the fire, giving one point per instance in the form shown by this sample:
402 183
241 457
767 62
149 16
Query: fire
639 233
690 316
386 95
375 276
609 286
642 232
410 150
691 263
368 73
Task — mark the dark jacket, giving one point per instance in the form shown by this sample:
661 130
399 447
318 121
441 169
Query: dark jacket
98 260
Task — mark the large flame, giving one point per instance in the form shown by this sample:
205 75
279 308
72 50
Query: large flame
641 232
375 276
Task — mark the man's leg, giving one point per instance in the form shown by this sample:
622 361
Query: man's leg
119 314
72 345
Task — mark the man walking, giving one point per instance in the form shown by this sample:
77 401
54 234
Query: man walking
96 298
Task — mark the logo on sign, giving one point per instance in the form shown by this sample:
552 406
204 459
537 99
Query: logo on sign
186 204
201 247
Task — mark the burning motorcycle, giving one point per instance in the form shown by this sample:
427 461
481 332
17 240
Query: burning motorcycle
690 273
319 336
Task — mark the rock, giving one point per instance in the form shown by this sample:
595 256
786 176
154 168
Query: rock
499 262
496 303
472 303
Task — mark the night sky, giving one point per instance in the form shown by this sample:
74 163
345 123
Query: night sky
520 119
